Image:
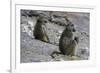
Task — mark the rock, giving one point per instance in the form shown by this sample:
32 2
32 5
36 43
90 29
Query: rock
33 50
83 53
28 25
61 57
59 20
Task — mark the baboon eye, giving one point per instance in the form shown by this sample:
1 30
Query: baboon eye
45 21
72 25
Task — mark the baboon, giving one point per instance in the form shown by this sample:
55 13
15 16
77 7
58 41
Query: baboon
39 29
68 41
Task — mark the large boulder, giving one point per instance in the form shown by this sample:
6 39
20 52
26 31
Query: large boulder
34 50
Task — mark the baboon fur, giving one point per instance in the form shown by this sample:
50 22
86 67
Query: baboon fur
39 29
68 42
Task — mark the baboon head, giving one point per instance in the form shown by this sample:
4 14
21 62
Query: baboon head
42 20
70 27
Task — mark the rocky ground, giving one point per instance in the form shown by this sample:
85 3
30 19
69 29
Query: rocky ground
33 50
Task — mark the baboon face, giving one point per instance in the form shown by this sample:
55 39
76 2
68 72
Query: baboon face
43 20
70 27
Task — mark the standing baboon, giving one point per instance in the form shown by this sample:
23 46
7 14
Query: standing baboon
39 29
68 42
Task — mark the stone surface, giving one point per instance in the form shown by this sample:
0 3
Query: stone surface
33 50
